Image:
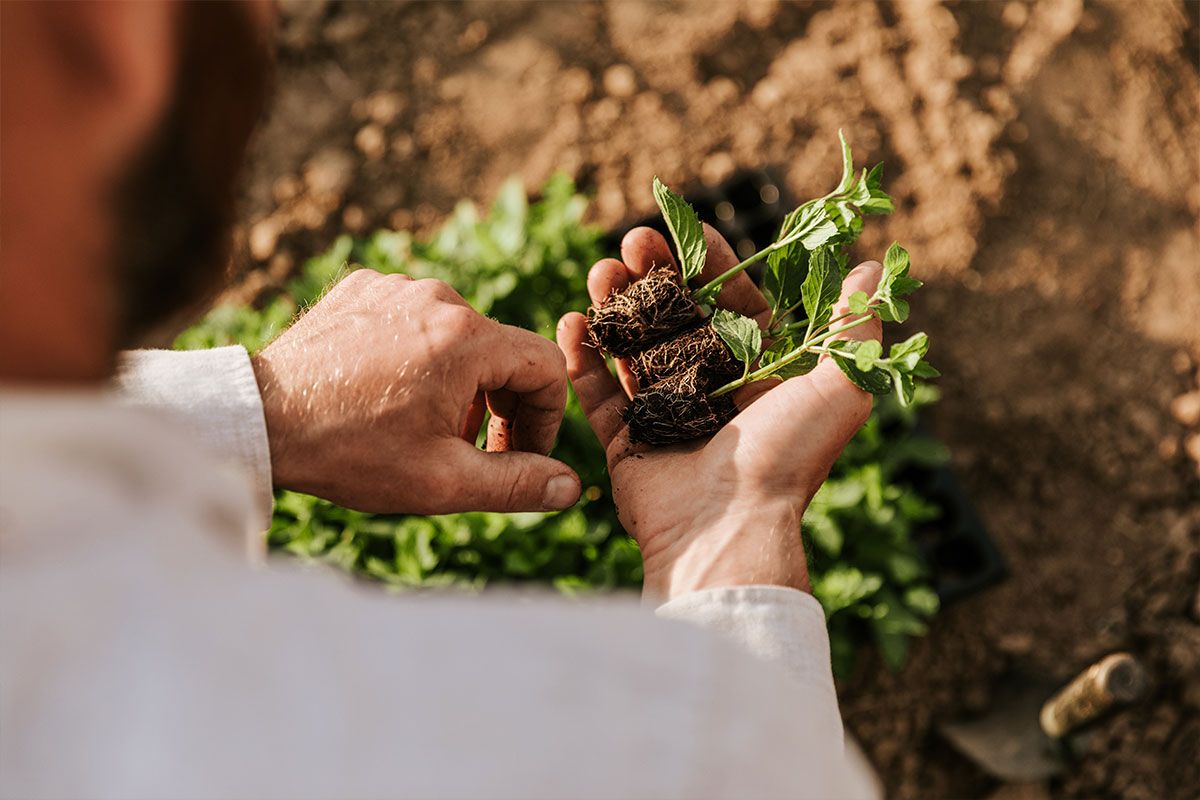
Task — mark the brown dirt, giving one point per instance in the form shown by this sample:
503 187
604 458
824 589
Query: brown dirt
642 314
1038 154
701 347
677 409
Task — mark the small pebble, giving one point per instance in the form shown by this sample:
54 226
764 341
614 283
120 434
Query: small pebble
473 35
1186 409
370 140
620 80
263 236
354 218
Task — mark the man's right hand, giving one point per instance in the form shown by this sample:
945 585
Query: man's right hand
374 399
723 511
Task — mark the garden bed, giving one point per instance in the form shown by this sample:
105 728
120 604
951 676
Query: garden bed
1043 163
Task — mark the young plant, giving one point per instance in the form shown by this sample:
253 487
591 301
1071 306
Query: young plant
688 359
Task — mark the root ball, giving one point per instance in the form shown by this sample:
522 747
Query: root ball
700 347
677 409
649 311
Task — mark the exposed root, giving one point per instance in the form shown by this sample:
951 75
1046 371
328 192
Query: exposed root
677 409
649 311
700 347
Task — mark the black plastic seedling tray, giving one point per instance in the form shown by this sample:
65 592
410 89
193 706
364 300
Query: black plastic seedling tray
748 209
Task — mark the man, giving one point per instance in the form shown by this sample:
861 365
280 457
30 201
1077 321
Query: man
141 657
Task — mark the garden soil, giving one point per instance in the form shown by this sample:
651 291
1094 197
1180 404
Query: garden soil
1044 161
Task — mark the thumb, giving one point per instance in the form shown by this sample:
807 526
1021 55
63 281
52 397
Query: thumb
847 406
823 408
510 481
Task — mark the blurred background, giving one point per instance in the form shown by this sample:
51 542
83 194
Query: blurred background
1044 161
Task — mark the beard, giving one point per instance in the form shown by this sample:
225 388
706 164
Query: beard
175 202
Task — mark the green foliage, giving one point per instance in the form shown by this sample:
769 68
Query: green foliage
741 334
866 570
525 264
786 346
685 229
808 261
821 289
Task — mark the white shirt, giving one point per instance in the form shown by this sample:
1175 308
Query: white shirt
142 656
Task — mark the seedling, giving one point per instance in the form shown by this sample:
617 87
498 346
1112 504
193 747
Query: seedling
688 359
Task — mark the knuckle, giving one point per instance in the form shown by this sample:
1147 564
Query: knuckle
435 289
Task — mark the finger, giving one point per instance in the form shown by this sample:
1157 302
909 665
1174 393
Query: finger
474 418
599 394
503 405
645 248
605 277
824 405
739 293
532 369
509 481
863 278
845 406
743 397
499 435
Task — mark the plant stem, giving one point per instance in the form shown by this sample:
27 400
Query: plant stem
775 366
710 289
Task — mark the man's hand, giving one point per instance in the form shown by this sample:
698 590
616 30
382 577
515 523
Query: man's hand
723 511
374 399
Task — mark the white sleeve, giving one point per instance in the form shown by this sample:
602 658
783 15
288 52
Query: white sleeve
785 627
215 395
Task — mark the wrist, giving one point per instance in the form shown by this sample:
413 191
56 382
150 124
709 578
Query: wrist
280 439
751 545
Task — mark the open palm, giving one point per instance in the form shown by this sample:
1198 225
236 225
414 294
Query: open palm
725 510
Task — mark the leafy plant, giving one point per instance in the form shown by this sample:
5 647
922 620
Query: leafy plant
525 264
805 267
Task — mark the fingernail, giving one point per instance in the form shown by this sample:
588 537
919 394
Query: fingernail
561 492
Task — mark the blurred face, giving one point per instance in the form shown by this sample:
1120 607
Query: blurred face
123 126
175 200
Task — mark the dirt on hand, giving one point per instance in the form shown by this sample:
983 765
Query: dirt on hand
1044 165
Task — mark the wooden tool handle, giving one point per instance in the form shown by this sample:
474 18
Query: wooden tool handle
1117 678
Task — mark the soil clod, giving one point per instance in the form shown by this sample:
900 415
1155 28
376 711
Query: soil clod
700 347
677 409
649 311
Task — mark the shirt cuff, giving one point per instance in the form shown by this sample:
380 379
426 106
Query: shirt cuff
215 394
776 624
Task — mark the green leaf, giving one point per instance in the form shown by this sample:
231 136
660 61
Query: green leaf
893 309
925 370
843 586
781 347
742 334
847 166
821 288
904 286
866 354
907 354
782 279
895 263
685 228
875 381
822 233
905 387
858 302
878 201
895 272
922 600
824 533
